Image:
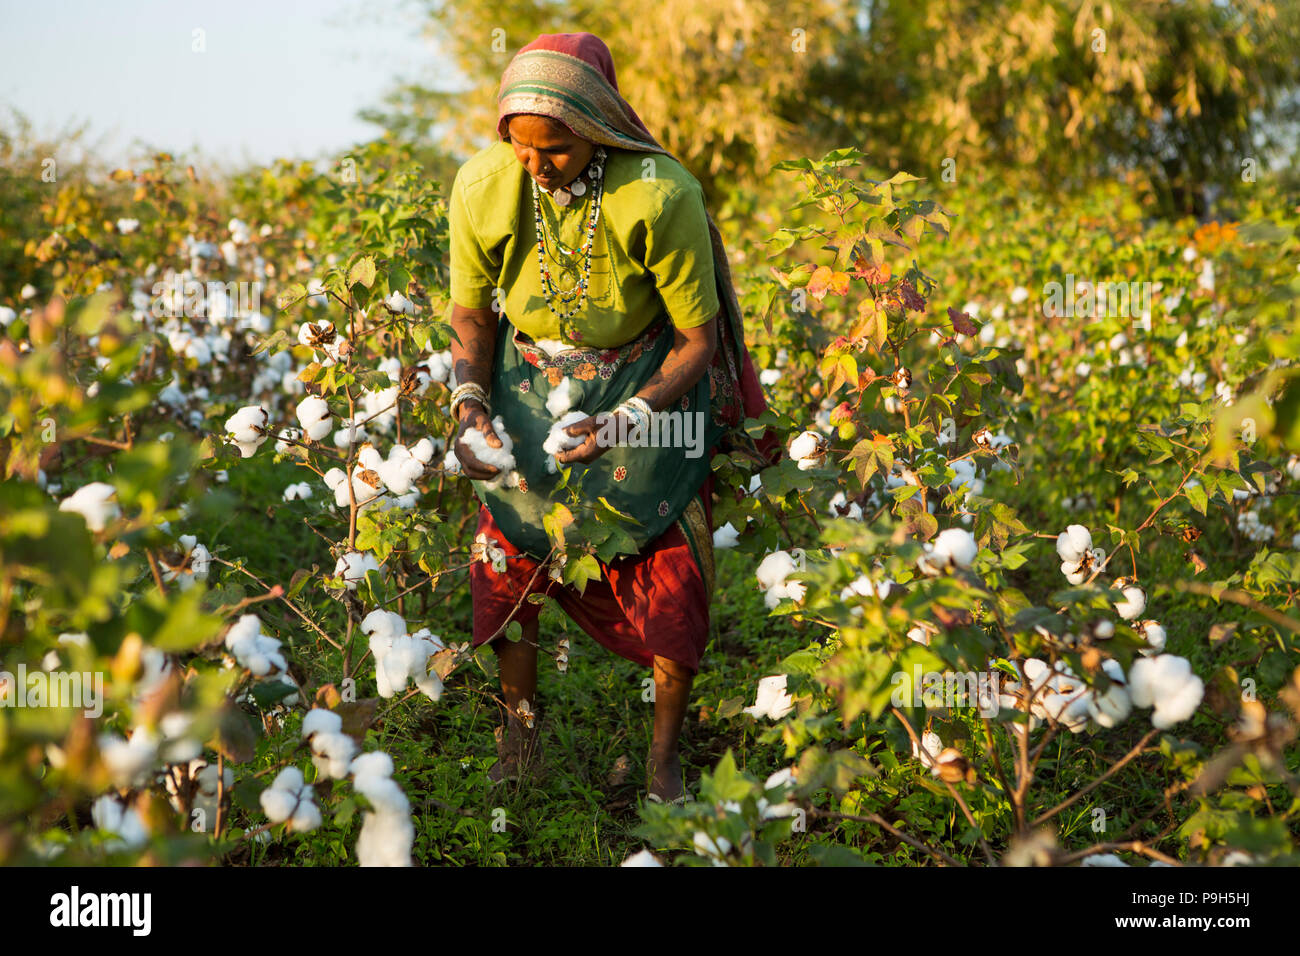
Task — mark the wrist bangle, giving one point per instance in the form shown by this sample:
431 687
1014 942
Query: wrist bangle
466 391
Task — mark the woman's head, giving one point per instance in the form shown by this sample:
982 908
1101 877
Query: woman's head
561 90
552 153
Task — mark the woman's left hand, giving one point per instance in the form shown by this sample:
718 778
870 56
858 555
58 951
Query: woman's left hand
592 448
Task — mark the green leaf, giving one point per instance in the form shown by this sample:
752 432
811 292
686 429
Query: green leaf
362 271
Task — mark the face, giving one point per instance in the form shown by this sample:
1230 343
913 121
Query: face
550 151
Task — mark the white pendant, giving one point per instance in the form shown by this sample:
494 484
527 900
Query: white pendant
577 187
563 196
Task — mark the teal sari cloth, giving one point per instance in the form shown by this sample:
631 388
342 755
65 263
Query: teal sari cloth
652 484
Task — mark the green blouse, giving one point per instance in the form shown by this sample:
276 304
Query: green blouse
651 254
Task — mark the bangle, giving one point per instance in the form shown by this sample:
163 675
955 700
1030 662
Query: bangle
466 391
638 412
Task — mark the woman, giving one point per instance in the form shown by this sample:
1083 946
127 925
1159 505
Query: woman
587 275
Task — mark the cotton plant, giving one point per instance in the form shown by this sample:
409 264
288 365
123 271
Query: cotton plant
772 701
247 429
289 800
95 502
401 657
128 829
952 548
251 649
773 572
387 831
193 565
314 416
332 750
403 466
129 760
808 449
726 537
1167 684
1078 557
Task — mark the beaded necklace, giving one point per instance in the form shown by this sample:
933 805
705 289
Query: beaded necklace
577 293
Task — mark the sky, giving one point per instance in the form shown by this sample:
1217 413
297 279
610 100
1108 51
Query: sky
274 78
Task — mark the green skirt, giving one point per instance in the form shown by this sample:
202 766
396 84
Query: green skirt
652 478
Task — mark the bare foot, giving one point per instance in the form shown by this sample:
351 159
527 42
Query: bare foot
665 773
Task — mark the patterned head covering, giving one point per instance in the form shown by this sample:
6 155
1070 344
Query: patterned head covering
570 78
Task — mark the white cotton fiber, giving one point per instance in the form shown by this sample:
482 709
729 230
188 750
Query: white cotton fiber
561 399
557 440
502 458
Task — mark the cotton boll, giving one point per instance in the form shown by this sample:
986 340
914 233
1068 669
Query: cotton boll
955 547
774 569
1113 707
373 764
1134 601
1073 543
95 503
332 753
129 761
726 537
773 702
422 451
247 428
929 749
1166 683
502 458
808 449
851 509
557 440
561 398
385 840
314 416
125 823
324 721
353 567
399 303
1154 634
299 492
770 376
641 858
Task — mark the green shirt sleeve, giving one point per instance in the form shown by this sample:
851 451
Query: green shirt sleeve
679 253
474 271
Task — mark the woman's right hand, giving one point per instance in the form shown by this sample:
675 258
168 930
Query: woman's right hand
474 415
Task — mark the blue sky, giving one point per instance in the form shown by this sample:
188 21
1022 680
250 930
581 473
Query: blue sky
277 77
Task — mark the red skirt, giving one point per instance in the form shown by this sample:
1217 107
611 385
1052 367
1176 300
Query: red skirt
647 605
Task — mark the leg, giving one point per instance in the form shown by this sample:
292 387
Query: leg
517 663
672 695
